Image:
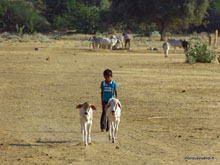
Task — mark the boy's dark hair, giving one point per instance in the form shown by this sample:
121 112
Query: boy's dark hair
107 72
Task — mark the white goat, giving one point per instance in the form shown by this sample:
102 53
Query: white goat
113 114
86 116
166 47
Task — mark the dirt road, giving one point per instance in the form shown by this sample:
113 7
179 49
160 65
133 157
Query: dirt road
170 109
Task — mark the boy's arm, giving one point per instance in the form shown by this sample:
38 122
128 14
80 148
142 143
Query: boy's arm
116 91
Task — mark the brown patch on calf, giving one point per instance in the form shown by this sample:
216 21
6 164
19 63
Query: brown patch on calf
119 105
107 106
93 107
86 106
79 106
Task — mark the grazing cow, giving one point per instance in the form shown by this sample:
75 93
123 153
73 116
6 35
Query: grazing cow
114 41
120 41
166 47
185 45
175 43
86 116
95 42
108 42
178 43
113 114
105 42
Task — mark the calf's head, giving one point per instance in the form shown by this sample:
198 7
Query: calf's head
85 108
113 104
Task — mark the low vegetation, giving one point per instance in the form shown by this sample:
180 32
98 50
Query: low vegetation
200 53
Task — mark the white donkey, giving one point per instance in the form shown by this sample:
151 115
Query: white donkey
86 116
113 114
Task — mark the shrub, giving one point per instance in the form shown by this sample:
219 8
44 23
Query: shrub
19 30
199 53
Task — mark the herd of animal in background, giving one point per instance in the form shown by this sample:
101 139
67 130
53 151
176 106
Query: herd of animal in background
117 42
112 42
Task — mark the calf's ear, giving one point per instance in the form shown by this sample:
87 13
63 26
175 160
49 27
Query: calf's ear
79 106
93 107
107 106
119 105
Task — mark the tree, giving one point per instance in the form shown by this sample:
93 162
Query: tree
54 8
166 14
81 17
14 14
213 20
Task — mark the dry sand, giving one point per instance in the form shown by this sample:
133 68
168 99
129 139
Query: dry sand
170 108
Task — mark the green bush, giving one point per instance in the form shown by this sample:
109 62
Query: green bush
19 30
200 53
19 13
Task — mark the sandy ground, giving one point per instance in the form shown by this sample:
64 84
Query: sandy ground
170 108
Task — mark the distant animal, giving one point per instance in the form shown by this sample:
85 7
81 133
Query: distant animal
120 41
95 42
114 41
178 43
105 42
113 109
166 47
155 49
185 45
86 116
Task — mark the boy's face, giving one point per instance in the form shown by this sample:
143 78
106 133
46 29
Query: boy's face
108 78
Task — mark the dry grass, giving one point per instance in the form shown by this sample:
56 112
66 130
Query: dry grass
170 108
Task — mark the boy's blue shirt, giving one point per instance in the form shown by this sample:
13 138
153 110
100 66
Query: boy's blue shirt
108 90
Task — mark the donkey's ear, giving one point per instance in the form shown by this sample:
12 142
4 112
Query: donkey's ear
79 106
93 107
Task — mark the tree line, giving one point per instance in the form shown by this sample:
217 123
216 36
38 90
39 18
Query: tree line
92 16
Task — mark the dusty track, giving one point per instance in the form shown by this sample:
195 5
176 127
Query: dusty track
170 108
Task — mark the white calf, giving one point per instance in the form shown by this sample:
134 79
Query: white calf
86 116
113 114
166 47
